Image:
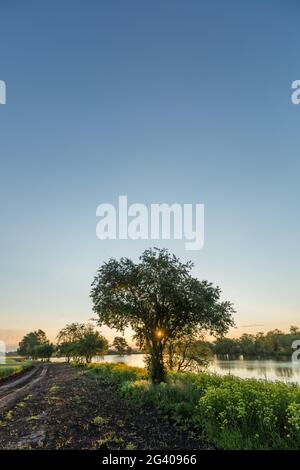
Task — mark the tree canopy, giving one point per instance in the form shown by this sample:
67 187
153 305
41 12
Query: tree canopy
120 345
32 343
78 340
160 300
272 344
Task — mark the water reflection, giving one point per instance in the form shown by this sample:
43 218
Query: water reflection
267 370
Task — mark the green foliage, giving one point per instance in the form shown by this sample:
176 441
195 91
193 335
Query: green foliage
90 344
189 353
229 412
256 411
43 351
110 440
99 421
117 374
160 300
30 342
68 338
120 345
273 344
79 341
227 346
13 367
67 349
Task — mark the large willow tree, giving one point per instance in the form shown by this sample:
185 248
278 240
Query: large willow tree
160 300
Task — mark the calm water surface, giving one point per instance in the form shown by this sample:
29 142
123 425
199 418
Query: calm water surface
266 370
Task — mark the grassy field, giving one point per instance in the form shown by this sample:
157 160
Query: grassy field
228 412
13 366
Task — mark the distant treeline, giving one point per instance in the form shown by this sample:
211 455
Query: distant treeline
78 342
81 342
273 344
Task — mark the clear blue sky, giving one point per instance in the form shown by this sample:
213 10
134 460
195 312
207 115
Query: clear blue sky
167 101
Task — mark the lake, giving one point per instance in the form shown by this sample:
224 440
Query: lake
266 370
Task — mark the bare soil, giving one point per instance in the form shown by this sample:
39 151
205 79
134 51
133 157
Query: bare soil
70 409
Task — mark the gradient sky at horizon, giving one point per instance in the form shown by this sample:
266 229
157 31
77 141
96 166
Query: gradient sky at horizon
164 102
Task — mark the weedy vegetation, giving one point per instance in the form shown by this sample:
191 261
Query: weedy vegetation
228 412
13 367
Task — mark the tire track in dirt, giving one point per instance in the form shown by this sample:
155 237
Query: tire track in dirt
13 392
73 409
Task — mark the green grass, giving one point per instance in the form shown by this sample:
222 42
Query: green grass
228 412
13 366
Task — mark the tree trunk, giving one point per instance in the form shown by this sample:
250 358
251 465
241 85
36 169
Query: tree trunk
157 369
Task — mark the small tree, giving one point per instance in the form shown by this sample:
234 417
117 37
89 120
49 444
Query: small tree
68 338
120 345
43 351
80 340
91 344
160 300
294 330
31 341
66 350
71 332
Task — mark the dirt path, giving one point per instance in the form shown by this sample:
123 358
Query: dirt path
15 390
70 409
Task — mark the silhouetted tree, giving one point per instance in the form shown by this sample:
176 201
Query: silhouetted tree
160 300
31 341
78 341
43 351
120 345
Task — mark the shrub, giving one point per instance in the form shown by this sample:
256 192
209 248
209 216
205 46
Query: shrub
229 412
117 374
263 413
